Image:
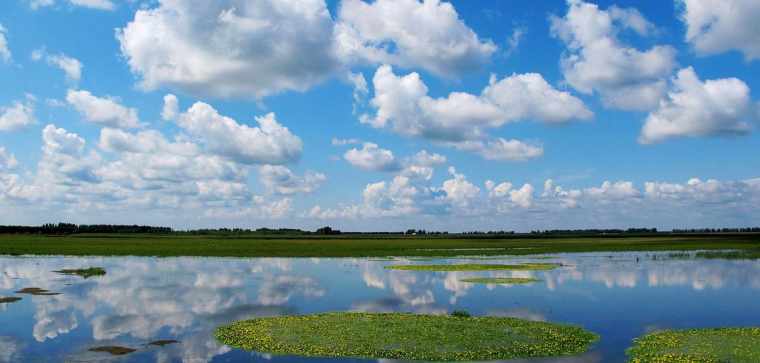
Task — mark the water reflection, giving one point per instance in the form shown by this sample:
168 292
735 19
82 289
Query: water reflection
143 299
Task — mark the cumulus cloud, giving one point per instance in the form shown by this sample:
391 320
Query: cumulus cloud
71 67
422 165
596 59
372 158
462 119
269 143
701 108
342 142
104 111
231 48
5 52
281 180
92 4
428 34
501 149
716 26
171 108
18 115
459 191
7 160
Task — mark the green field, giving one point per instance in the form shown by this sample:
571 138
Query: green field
353 246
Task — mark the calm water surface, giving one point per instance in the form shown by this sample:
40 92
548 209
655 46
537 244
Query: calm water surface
619 296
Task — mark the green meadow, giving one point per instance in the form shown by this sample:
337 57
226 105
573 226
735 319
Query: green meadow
355 246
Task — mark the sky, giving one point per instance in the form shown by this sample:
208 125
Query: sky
380 115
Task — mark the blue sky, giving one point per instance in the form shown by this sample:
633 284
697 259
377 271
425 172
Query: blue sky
548 114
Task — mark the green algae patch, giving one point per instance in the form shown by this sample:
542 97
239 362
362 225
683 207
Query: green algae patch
36 291
83 272
113 350
405 336
698 345
9 299
476 267
500 280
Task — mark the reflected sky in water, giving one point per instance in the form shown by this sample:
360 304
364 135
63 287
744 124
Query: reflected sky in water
139 300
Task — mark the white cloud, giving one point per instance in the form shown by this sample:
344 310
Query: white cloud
514 40
231 48
372 158
716 26
92 4
342 142
171 108
501 149
7 160
18 115
392 199
462 120
281 180
427 34
5 52
402 104
696 108
103 111
270 143
422 164
619 190
459 191
71 67
522 197
597 61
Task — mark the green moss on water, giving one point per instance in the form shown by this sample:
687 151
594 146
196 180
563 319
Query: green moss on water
476 267
406 336
698 345
163 342
83 272
501 280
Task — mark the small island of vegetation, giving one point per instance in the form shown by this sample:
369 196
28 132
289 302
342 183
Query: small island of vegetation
406 336
476 267
698 345
501 280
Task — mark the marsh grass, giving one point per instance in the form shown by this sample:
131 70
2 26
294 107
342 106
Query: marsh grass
501 280
406 336
698 345
83 272
9 299
113 350
476 267
163 342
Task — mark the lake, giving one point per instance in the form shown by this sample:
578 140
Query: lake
617 295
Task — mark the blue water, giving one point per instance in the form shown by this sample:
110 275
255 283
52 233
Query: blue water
619 296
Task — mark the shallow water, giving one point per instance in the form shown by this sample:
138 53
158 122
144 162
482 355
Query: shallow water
617 295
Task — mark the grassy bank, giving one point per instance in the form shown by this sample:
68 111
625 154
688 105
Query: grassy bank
231 246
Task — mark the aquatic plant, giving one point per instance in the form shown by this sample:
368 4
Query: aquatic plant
83 272
405 336
500 280
9 299
460 314
476 267
37 291
698 345
163 342
113 350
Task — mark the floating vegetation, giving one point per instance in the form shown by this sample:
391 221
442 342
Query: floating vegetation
460 314
406 336
730 255
698 345
163 342
501 280
83 272
476 267
113 350
37 291
8 299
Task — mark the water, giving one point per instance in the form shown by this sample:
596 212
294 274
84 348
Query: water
619 296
